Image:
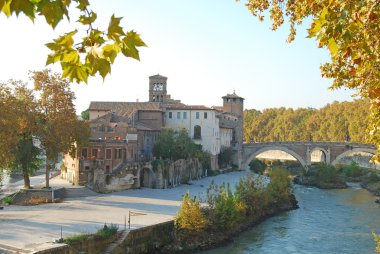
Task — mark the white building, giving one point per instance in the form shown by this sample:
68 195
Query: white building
200 122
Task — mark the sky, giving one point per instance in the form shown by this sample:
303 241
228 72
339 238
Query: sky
206 48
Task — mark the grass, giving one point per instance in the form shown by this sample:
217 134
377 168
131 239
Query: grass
107 231
81 237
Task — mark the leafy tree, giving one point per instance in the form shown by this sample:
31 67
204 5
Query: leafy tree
349 30
18 127
94 53
330 123
85 115
280 186
175 146
190 216
164 144
225 157
257 166
249 191
60 130
326 173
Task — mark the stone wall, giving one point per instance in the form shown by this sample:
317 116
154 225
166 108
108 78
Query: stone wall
147 240
138 241
178 172
159 174
34 196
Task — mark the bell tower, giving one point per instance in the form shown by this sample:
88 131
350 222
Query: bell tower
157 88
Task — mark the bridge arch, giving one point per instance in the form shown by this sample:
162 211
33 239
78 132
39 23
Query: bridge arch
269 148
325 153
344 154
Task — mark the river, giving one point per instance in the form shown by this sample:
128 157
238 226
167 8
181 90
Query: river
328 221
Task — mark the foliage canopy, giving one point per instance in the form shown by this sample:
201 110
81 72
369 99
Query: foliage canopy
80 55
350 31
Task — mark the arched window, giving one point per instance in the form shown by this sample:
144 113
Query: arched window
197 132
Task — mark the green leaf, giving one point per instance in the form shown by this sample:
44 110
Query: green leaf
83 4
129 44
333 47
5 6
110 51
114 29
53 58
53 11
74 72
85 20
71 57
103 67
24 6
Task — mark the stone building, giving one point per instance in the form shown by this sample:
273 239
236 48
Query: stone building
124 133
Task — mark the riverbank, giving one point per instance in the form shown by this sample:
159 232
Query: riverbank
210 239
34 227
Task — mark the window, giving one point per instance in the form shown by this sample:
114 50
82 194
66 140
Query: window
184 115
178 115
95 153
84 152
196 115
118 153
170 115
108 154
197 132
205 115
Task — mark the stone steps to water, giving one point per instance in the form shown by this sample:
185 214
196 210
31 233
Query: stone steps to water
79 192
115 244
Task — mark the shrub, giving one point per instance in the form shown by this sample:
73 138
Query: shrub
352 170
107 231
280 186
249 191
326 173
76 238
373 177
7 200
257 166
190 216
227 209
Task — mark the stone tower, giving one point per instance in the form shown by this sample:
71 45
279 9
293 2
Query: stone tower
234 105
157 88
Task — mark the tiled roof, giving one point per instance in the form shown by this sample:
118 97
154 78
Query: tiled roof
124 108
187 107
233 95
157 76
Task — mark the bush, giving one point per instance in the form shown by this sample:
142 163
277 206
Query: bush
352 170
76 238
280 186
373 177
7 200
190 216
326 173
257 166
249 191
107 231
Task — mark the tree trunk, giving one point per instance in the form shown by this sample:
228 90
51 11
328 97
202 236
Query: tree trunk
26 180
47 174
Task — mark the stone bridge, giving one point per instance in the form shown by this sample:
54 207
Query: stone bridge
332 151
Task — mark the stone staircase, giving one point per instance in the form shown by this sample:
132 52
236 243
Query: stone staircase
116 243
